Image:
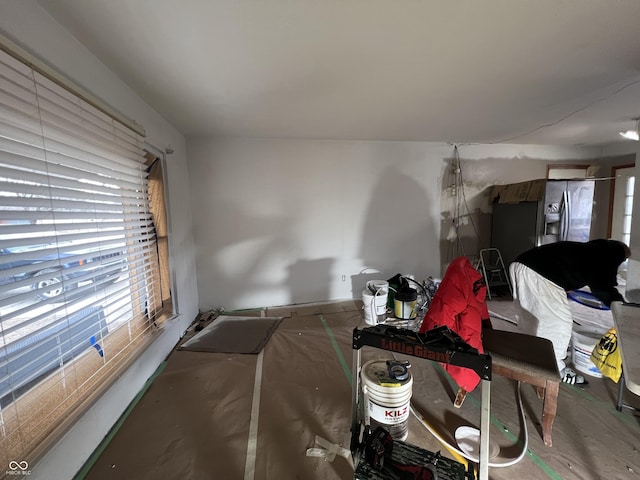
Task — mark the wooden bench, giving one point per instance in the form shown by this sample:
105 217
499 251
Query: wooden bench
528 359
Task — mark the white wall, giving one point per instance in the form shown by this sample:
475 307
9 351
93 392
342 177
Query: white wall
32 28
293 221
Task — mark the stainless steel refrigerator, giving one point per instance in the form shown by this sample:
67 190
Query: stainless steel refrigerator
563 212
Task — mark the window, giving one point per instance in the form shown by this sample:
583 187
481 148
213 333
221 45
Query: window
567 172
79 275
622 203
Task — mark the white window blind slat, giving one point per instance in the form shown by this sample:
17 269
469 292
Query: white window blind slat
58 176
23 136
36 339
57 140
23 290
13 64
17 90
119 292
30 230
47 216
15 111
49 93
21 133
28 168
71 118
24 143
16 83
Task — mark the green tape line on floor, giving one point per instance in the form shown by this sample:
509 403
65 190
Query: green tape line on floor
535 458
343 362
609 407
98 451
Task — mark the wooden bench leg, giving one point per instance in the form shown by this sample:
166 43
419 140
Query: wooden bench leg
549 408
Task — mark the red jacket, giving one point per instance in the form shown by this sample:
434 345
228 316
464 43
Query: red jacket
459 304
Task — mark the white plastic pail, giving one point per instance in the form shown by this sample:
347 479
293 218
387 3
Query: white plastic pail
387 398
375 308
583 343
381 286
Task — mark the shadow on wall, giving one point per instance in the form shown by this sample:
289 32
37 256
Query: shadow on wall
399 235
236 263
243 266
309 280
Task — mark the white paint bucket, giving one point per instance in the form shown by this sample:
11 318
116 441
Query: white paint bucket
375 309
387 396
582 344
378 285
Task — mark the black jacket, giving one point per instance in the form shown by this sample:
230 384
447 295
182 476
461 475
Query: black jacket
573 265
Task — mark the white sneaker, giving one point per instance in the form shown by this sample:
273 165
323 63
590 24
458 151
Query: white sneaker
570 376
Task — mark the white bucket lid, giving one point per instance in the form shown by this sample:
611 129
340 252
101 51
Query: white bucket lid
380 298
383 285
381 387
587 337
468 439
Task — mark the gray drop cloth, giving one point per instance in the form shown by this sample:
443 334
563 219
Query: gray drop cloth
231 334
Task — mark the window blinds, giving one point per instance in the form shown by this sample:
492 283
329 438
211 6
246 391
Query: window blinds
78 257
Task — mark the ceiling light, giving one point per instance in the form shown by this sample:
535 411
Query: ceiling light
632 134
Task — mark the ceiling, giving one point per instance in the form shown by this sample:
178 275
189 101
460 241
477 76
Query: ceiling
556 72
